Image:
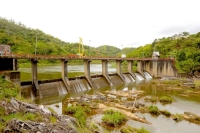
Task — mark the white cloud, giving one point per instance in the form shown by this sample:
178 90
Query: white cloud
111 22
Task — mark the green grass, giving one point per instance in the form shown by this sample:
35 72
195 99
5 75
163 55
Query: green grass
81 117
79 112
113 118
129 129
197 84
179 117
142 130
29 116
53 119
166 112
151 99
177 82
166 99
8 89
153 109
51 110
153 82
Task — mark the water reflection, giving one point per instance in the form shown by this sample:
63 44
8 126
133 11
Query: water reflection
163 124
54 72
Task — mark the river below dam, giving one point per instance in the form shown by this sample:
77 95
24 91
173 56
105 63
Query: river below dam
160 123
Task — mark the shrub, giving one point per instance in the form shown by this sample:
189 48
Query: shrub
170 81
165 112
29 116
51 110
151 99
71 109
80 116
32 117
127 129
53 119
113 118
2 111
38 117
130 129
8 89
142 130
166 99
178 117
79 113
153 109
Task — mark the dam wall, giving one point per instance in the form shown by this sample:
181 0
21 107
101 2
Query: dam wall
65 85
157 68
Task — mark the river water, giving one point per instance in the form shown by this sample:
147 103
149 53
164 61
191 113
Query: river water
54 72
160 124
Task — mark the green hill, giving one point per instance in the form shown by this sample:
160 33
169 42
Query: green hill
23 40
184 48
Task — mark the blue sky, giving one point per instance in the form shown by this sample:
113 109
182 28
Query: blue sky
127 23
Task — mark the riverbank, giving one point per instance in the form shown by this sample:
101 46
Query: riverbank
18 114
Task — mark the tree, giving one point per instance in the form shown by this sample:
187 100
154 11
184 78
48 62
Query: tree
181 56
186 33
187 66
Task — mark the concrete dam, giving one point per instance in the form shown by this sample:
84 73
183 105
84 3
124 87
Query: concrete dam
146 67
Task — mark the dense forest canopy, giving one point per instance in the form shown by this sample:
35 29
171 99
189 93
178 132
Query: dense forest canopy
184 48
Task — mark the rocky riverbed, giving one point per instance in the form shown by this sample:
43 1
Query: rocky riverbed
28 117
63 124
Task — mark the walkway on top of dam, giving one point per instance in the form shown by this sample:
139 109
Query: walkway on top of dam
62 57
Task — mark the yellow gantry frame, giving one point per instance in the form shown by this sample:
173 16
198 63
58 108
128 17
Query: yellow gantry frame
81 48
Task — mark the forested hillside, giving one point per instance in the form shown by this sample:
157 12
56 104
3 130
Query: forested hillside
23 40
185 48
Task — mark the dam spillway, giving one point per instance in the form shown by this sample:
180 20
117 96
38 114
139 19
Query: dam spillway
44 88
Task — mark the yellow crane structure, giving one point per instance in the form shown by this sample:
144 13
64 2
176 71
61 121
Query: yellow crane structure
81 48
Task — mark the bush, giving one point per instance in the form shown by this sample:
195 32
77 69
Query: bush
142 130
71 109
79 113
80 116
178 117
29 116
130 129
8 89
151 99
170 81
153 109
166 99
53 119
113 118
51 110
165 112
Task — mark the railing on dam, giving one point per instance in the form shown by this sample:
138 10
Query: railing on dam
74 57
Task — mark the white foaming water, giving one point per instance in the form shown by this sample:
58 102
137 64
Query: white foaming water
147 75
138 76
128 78
80 86
61 88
